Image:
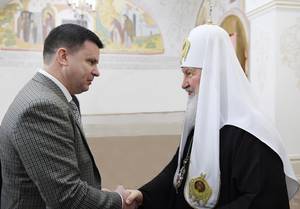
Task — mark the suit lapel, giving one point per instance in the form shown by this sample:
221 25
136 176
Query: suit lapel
89 151
52 86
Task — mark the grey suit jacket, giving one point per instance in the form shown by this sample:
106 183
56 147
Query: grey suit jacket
45 159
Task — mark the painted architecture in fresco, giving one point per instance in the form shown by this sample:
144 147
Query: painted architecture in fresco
233 25
121 25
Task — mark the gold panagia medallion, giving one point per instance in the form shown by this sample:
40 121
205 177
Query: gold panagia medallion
199 190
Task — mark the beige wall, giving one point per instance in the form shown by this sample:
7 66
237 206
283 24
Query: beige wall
133 160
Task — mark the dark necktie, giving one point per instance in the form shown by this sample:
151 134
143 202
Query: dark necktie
76 101
76 110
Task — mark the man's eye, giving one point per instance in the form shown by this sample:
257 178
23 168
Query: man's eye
91 62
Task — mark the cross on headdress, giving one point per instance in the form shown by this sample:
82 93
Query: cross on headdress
211 5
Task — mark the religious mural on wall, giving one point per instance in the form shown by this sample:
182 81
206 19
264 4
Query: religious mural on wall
122 26
214 11
233 25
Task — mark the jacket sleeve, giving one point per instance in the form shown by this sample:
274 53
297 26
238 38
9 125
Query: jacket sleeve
157 192
44 139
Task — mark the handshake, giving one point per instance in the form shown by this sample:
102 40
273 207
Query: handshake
131 199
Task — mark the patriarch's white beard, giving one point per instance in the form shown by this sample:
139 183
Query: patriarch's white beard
190 113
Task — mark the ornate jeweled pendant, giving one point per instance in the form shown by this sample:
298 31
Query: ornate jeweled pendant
199 190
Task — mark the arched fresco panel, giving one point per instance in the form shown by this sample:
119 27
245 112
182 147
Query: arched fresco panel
233 25
121 25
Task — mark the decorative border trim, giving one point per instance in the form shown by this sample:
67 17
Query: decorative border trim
107 61
133 124
291 4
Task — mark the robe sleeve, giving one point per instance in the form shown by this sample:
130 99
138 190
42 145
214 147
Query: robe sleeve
257 176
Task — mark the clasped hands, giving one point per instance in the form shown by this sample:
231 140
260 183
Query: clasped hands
132 199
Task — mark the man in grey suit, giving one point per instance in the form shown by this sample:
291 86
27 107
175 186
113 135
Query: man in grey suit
45 158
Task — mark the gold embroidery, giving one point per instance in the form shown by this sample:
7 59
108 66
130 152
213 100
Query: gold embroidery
185 49
199 189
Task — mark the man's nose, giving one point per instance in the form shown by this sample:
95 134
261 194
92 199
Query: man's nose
185 84
96 71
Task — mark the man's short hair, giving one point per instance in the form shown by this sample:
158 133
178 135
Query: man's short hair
70 36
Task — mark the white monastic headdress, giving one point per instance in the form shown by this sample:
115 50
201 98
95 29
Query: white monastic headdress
225 98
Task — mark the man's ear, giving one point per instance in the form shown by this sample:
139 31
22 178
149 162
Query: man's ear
62 56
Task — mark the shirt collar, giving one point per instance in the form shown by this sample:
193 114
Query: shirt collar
58 83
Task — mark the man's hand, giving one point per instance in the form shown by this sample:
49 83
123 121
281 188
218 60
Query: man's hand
135 197
131 199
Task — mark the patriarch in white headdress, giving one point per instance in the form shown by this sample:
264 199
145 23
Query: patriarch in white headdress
225 97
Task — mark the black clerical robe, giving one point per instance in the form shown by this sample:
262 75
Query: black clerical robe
252 176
